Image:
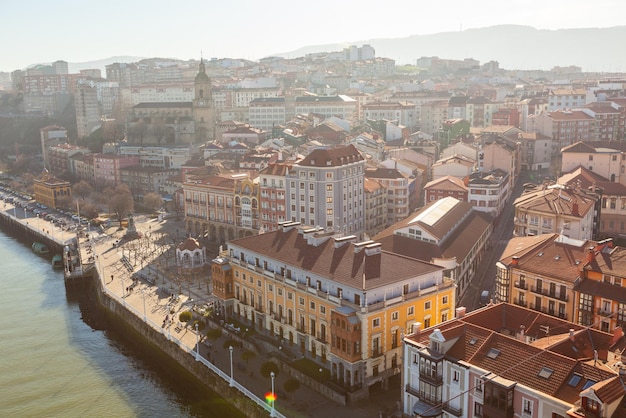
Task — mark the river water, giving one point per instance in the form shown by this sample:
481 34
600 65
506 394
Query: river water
56 362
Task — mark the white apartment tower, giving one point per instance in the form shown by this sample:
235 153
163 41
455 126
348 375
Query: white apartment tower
326 189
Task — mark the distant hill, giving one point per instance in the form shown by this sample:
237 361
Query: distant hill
513 46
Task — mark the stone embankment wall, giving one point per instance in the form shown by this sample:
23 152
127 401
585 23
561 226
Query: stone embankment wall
120 317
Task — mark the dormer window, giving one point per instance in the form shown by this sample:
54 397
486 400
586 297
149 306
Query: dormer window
591 406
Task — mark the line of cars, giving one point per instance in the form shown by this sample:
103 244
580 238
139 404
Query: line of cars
55 216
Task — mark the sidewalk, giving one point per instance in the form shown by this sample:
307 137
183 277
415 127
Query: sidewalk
151 297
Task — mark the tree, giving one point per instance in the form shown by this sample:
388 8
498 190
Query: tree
268 367
82 189
185 316
152 201
121 202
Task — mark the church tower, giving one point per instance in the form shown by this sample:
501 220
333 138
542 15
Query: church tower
203 109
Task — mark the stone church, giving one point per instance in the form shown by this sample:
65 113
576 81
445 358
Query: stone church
173 123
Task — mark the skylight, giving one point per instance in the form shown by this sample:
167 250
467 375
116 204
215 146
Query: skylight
493 353
473 341
546 372
589 383
575 380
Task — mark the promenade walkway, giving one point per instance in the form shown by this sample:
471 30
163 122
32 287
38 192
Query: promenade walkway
139 273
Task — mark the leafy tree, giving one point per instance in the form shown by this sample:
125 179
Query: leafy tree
185 316
291 385
267 368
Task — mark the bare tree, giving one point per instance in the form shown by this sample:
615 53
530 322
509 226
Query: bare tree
152 201
121 202
82 189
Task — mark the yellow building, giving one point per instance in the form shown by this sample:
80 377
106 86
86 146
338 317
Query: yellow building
343 303
49 189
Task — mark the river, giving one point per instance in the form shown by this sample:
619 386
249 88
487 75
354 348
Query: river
57 361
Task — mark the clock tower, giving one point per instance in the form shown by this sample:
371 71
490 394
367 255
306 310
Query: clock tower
203 109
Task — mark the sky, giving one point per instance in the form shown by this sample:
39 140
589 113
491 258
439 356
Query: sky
43 31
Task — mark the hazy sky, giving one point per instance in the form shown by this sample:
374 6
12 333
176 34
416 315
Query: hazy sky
41 31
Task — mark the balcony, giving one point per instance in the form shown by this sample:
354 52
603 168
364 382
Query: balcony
520 302
321 338
603 312
521 285
413 391
377 353
456 411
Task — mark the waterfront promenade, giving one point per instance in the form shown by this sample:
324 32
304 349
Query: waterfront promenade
140 274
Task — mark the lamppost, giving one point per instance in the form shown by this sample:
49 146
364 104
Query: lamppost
143 295
197 343
273 411
123 290
230 350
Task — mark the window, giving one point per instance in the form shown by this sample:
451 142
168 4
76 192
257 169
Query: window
312 305
323 309
478 409
444 300
426 305
527 407
301 300
456 376
478 385
394 316
410 311
375 322
289 295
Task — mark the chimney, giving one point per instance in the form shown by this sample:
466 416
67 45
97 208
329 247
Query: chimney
571 334
515 260
590 256
460 311
373 248
522 332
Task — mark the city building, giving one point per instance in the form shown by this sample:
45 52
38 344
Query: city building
612 195
267 112
566 98
402 112
508 361
341 106
446 232
326 189
489 191
397 185
565 127
544 209
456 165
273 201
87 110
342 302
444 187
375 207
50 190
605 159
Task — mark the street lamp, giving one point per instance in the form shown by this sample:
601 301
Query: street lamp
230 349
273 411
123 291
197 343
143 295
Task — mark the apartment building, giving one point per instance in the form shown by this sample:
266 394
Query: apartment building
396 184
489 191
557 208
267 112
566 98
507 361
342 302
375 207
273 200
613 199
341 106
326 189
443 187
403 112
222 207
565 127
603 158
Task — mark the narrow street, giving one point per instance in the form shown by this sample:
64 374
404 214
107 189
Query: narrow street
486 270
